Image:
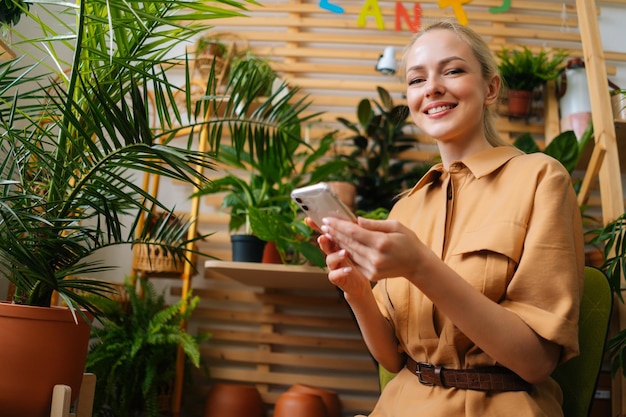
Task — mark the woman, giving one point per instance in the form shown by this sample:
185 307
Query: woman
479 267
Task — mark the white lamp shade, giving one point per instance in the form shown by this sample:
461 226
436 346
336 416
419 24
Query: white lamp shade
387 61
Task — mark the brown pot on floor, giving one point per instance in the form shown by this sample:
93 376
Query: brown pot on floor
299 404
329 398
234 400
40 348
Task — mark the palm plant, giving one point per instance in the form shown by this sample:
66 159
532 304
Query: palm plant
74 135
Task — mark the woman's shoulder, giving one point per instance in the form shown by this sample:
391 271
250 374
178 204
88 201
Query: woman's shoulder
538 161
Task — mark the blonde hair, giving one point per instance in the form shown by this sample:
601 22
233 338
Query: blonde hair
488 68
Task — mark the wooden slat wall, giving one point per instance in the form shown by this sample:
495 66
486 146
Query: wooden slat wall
333 60
275 338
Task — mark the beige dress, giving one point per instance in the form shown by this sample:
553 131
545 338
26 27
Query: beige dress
509 223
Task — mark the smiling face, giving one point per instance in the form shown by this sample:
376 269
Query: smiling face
447 92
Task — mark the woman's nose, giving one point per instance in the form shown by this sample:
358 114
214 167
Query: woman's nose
434 86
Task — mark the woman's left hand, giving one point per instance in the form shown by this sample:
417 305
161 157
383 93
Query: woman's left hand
379 248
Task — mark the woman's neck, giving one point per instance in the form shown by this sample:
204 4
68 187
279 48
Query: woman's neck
454 151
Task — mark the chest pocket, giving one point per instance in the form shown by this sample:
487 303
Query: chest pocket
487 257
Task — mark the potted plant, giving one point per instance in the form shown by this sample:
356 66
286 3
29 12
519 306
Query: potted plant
73 134
11 11
210 51
523 71
260 206
243 64
611 240
276 160
378 140
133 351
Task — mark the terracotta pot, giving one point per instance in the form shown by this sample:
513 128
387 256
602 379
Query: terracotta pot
329 398
299 404
40 348
519 103
234 400
271 255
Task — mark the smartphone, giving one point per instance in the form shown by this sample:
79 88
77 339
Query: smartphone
319 201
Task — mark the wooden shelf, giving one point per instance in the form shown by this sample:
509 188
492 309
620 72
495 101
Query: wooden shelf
270 275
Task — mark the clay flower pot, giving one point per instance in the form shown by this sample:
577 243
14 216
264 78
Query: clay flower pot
329 398
40 348
299 404
234 400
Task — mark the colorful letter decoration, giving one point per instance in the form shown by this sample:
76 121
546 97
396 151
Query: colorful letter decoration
414 25
506 5
324 4
457 6
371 8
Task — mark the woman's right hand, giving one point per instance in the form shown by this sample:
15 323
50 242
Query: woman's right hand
342 272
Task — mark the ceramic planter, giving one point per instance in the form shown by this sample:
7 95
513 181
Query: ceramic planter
41 347
247 248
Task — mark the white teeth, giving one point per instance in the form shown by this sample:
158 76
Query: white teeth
439 109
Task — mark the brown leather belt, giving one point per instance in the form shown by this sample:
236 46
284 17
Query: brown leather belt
494 378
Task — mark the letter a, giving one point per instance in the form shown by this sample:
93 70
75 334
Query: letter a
371 8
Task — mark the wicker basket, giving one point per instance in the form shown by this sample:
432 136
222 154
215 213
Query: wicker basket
153 258
204 62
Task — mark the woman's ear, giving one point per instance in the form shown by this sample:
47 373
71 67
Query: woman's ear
493 90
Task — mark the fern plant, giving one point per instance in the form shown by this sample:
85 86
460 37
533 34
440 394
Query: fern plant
134 350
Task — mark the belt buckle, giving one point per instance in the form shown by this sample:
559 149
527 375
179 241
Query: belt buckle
418 372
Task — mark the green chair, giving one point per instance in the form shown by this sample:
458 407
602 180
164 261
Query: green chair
578 377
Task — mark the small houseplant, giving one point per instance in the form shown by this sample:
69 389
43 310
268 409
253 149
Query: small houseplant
523 71
210 51
133 352
74 131
378 140
11 11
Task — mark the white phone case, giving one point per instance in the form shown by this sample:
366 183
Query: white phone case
319 201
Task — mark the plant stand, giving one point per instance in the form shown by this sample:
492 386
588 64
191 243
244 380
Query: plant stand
84 407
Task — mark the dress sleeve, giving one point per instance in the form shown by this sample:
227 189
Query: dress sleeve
546 287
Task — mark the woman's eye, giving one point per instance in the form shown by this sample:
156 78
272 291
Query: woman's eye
416 80
454 71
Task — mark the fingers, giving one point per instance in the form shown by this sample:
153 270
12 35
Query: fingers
309 222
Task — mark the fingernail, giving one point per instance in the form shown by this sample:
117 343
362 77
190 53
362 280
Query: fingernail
324 229
325 220
342 253
347 269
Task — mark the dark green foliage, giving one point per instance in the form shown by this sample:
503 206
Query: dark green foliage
378 141
11 11
76 132
565 147
133 352
525 70
611 238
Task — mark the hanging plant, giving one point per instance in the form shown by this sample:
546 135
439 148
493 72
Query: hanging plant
11 11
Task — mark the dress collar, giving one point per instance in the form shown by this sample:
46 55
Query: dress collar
480 164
